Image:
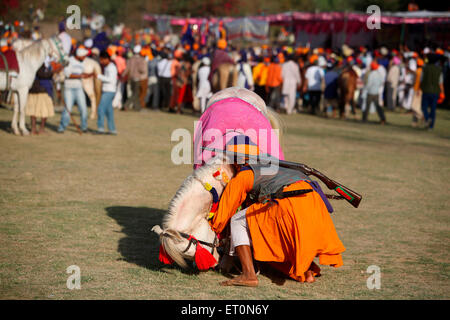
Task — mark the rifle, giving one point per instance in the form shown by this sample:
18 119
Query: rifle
351 196
280 194
73 120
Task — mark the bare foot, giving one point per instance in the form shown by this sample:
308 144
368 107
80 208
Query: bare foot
309 276
315 269
241 280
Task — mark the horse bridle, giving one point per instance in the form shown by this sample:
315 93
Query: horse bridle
61 54
194 241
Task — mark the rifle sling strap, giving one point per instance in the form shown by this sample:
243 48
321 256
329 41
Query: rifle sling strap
334 197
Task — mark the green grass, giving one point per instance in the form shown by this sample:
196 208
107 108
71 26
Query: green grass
91 201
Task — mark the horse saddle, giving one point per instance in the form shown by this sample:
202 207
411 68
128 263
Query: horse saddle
8 61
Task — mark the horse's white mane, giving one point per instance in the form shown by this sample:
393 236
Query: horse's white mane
33 51
20 44
199 174
169 237
248 96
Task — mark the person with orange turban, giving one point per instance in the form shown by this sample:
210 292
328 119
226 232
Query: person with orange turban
260 72
374 65
137 72
222 44
439 51
111 50
417 96
273 83
372 88
287 233
313 58
314 82
223 68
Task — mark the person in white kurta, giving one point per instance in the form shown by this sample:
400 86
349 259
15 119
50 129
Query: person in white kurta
245 75
204 86
382 70
409 79
290 73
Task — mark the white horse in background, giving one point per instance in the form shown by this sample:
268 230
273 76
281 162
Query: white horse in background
188 212
30 59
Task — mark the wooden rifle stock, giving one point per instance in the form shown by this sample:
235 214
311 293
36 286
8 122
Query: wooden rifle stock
348 194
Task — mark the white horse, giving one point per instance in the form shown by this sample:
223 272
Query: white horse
30 59
188 212
20 44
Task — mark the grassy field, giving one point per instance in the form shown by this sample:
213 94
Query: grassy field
91 200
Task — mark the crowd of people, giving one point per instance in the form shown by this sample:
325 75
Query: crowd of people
144 72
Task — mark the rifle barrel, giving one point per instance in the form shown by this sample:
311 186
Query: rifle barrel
351 196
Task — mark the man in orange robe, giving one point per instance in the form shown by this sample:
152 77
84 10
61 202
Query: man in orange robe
289 233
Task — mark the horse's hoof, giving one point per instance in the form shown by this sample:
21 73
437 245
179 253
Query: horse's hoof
16 132
25 132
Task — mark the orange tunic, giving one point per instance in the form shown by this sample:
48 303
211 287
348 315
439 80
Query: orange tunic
290 233
274 78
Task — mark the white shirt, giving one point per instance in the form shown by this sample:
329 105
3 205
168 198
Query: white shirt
74 67
204 87
164 67
383 72
109 79
244 75
374 82
314 75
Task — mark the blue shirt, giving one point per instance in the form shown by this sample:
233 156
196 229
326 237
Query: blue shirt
331 85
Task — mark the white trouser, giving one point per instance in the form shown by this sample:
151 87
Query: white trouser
240 235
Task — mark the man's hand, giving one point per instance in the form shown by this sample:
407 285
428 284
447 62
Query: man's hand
87 75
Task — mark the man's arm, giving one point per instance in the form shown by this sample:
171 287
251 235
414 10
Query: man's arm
232 197
109 76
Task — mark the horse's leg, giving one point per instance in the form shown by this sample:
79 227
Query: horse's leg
224 75
23 95
89 89
14 126
341 106
353 108
234 77
215 82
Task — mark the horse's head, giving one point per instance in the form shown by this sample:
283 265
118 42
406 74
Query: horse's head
55 50
185 227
